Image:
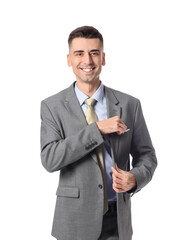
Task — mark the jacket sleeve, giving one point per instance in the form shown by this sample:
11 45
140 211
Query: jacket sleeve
144 158
58 151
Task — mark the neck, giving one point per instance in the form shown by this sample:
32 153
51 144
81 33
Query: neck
88 88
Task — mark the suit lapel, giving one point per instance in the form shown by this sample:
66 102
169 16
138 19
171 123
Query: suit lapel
113 109
74 109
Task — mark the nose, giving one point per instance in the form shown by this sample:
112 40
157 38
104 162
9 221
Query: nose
87 59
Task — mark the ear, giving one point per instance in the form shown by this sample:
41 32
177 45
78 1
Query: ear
103 60
69 60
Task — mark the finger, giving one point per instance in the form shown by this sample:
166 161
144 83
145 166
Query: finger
122 124
117 185
118 176
116 166
118 190
115 189
119 170
121 128
115 173
118 181
119 133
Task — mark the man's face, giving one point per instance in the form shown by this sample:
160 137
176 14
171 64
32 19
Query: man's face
86 58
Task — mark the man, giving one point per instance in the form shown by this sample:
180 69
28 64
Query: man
88 132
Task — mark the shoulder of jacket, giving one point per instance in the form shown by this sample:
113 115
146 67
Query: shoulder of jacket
121 96
58 97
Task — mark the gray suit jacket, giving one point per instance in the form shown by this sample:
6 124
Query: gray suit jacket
68 144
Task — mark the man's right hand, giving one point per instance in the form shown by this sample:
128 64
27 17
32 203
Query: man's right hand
111 125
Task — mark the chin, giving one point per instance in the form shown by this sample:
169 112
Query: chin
93 80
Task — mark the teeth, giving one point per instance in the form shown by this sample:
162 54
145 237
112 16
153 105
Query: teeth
87 69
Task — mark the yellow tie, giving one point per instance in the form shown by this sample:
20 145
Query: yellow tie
92 117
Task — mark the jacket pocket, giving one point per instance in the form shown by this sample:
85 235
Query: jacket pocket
72 192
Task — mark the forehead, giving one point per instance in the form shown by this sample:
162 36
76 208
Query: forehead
85 44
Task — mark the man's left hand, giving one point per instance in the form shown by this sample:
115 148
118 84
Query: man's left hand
123 181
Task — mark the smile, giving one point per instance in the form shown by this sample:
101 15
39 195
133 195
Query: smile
87 70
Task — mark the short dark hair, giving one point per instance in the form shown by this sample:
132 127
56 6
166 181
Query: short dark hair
85 32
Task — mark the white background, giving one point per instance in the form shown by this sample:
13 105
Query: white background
145 56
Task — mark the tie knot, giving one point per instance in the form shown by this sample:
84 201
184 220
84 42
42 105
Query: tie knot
90 101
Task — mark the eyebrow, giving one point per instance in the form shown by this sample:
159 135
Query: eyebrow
81 51
78 51
95 50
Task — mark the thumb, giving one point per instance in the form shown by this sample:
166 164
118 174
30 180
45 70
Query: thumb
118 169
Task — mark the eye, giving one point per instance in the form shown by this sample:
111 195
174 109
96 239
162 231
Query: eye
94 53
79 54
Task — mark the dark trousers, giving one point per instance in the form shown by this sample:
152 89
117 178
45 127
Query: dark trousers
110 226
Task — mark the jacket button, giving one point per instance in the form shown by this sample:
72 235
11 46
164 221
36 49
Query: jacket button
100 186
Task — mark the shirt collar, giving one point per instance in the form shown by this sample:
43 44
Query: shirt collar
98 95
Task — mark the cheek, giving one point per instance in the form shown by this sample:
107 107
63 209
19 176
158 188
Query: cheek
75 64
100 62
